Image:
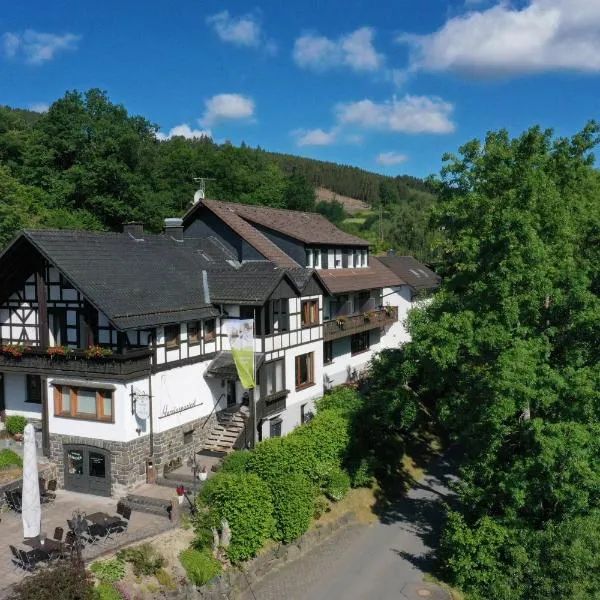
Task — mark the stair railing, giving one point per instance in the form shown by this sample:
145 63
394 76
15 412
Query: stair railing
213 410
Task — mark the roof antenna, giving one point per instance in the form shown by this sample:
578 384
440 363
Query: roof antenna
201 192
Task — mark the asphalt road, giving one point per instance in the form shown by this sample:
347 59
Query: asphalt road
376 562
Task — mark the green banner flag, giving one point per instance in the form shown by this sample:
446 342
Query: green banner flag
241 340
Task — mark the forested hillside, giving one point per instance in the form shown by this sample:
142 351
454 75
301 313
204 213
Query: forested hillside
87 163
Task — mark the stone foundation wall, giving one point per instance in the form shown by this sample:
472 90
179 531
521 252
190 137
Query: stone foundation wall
128 459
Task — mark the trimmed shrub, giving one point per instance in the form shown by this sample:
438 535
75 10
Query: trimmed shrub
8 458
202 522
62 582
146 560
362 474
244 500
321 506
337 485
293 500
343 400
200 567
107 591
15 424
108 571
237 462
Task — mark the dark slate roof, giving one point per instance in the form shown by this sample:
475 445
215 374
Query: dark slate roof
374 276
254 237
310 228
415 273
223 366
135 283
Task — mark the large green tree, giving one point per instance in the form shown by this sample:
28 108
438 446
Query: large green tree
507 354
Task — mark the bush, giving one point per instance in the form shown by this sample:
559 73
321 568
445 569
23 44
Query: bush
202 523
63 582
15 424
200 567
108 571
293 502
321 506
337 485
237 462
245 502
107 591
146 560
342 400
164 578
362 474
8 458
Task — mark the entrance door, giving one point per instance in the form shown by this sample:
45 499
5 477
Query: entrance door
87 470
231 395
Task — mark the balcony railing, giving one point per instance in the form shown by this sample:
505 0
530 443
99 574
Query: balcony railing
273 404
40 361
344 326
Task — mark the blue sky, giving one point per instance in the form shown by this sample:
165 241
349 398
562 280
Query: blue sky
387 85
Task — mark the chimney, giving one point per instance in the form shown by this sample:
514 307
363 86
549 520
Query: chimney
134 229
174 228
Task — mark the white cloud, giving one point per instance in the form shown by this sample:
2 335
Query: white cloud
411 114
184 130
241 31
39 107
315 137
35 47
542 35
354 50
389 159
224 107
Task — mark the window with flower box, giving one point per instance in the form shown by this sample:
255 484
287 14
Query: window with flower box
83 403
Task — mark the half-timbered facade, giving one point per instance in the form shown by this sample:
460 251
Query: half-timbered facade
115 344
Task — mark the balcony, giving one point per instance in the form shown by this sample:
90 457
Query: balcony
39 361
344 326
273 404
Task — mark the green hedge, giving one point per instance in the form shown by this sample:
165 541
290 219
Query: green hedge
337 484
237 462
8 458
15 424
199 566
244 500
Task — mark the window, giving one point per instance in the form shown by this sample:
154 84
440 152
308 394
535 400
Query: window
359 342
351 260
188 437
274 380
310 313
275 428
172 333
277 318
304 370
2 405
83 403
327 353
34 389
364 257
210 330
193 333
309 258
57 327
338 258
317 260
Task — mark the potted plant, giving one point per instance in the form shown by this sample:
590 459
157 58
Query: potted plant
180 491
340 322
97 352
368 315
389 310
60 351
13 350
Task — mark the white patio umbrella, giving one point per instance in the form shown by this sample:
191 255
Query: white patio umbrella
30 503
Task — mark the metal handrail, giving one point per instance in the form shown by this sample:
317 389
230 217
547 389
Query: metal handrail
213 410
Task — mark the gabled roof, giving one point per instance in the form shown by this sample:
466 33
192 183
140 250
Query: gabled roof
254 237
415 273
310 228
376 275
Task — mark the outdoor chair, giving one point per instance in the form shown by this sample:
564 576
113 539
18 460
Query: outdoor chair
31 558
17 560
46 493
52 485
13 499
58 534
122 525
97 533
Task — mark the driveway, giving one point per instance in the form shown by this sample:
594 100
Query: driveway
383 561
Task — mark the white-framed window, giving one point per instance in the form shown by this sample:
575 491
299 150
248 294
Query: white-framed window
338 258
317 258
364 257
351 254
309 258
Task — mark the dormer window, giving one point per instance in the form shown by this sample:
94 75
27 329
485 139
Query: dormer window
338 258
317 258
365 258
351 254
309 258
313 258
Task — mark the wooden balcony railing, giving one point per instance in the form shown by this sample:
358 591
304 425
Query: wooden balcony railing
272 404
343 326
38 361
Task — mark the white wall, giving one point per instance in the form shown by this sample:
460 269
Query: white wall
15 393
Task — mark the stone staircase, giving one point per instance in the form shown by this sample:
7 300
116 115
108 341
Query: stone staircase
225 433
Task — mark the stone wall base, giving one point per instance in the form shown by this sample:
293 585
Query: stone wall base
128 460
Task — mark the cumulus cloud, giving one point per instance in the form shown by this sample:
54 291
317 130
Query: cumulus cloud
35 47
410 114
542 35
315 137
388 159
184 130
354 50
241 31
39 107
223 107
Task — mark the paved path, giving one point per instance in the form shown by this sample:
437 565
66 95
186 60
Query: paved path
377 562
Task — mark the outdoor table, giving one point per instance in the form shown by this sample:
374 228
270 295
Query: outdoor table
46 550
102 518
